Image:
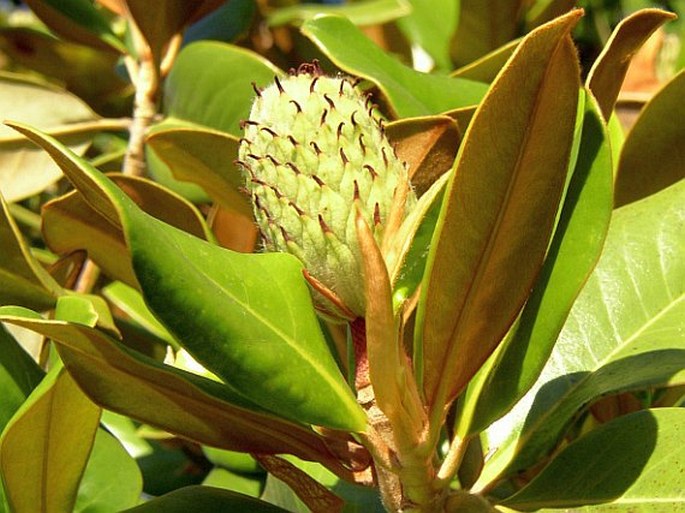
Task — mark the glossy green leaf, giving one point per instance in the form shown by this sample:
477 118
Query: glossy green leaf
176 401
485 26
130 301
45 447
210 84
19 375
262 337
633 464
498 212
204 498
609 70
22 279
653 155
574 251
624 332
365 12
112 479
78 20
410 93
71 223
204 157
431 25
24 170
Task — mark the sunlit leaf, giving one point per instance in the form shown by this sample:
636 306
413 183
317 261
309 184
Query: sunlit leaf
637 464
624 332
56 427
365 12
111 480
431 25
174 400
486 68
609 70
409 92
499 211
25 170
576 246
653 155
267 316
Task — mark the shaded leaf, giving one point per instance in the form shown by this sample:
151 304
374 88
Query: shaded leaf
486 68
428 145
159 25
227 23
19 375
410 93
637 464
543 11
485 26
24 281
204 498
204 157
87 72
624 332
24 170
609 70
78 20
56 427
111 480
653 155
250 485
498 212
575 249
176 401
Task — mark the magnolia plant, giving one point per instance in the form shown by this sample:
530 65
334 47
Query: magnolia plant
349 287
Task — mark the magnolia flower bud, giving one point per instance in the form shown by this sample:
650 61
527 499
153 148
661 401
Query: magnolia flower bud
313 153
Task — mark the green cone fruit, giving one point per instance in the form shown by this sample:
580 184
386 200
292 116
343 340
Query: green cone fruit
312 150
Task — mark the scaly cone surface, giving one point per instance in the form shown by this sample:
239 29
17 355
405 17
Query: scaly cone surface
313 151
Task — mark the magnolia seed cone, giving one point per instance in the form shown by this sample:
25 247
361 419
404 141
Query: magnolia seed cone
314 153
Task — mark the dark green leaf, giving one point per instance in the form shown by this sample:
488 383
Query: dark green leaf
204 498
19 375
78 20
653 155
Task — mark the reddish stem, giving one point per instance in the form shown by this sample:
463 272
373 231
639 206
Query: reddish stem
361 365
